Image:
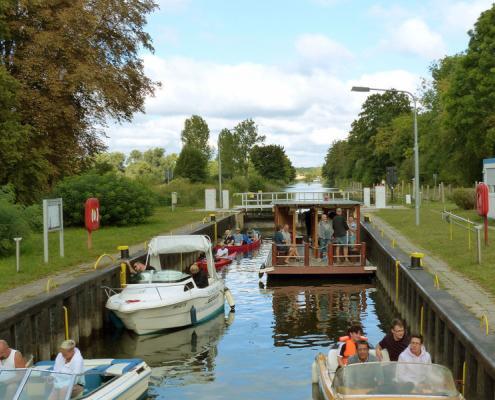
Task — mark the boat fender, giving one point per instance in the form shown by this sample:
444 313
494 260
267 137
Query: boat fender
346 338
314 372
194 318
262 270
230 299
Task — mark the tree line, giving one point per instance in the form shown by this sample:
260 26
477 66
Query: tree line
456 122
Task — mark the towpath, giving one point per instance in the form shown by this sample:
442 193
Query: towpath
20 293
468 293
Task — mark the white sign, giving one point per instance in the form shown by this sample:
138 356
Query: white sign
210 199
53 220
225 197
380 197
367 197
408 199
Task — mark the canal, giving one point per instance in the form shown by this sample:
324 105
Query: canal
265 349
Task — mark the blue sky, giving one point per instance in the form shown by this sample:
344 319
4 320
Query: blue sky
287 64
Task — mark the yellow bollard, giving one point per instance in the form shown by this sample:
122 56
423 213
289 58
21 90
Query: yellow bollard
484 319
436 281
381 233
145 245
123 274
66 320
48 285
464 368
397 264
421 318
393 243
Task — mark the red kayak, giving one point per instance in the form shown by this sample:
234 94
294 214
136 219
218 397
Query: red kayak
220 263
242 248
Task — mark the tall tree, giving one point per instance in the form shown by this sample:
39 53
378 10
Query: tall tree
271 162
229 153
192 164
77 63
247 136
196 134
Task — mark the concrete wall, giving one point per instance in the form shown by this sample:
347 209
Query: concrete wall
36 326
452 334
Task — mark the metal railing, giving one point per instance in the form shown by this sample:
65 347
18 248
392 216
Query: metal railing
267 199
470 226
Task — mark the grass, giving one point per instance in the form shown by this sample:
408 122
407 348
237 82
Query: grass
105 240
434 236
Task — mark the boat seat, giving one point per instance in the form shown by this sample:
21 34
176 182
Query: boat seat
92 379
332 363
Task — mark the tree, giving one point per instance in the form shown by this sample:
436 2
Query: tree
229 153
152 165
272 163
109 162
77 64
196 134
246 136
192 164
470 100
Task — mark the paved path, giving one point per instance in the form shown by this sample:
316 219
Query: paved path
467 292
39 286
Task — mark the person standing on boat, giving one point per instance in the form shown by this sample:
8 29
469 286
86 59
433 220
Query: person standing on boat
396 341
68 361
325 233
10 358
352 231
340 229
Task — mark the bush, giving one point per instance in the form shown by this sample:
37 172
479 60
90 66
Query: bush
34 217
13 224
122 200
464 198
188 194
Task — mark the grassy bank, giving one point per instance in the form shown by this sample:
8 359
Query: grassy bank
105 240
434 236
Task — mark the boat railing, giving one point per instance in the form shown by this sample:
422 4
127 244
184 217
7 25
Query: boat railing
306 254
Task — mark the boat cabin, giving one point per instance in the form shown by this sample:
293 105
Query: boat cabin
306 255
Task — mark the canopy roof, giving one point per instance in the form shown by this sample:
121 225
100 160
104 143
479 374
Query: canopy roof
319 202
178 244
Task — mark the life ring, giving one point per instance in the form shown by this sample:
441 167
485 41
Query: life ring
482 203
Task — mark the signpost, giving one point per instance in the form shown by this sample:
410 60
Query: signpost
53 220
482 205
91 217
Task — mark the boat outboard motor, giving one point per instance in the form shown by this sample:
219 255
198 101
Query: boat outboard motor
230 299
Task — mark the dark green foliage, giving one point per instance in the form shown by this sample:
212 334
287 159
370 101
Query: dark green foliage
122 200
464 198
188 194
13 221
272 163
196 134
192 164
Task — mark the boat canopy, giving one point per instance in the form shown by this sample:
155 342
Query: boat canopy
394 379
176 244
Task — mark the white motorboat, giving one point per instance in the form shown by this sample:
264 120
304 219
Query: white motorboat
104 379
382 380
168 297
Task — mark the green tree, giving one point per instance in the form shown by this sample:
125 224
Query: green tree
229 153
109 162
192 164
246 136
470 100
196 134
271 162
151 165
77 63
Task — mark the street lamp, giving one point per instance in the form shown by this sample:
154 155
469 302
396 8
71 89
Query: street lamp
220 174
416 147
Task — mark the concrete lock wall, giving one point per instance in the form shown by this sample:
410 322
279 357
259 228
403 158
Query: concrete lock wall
452 334
37 325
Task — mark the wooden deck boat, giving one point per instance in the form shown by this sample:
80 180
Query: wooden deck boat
303 217
382 380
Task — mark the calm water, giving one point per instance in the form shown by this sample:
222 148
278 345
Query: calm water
265 349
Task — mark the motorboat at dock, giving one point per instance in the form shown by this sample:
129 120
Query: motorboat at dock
104 379
168 297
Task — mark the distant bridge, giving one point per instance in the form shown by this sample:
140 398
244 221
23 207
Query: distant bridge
266 200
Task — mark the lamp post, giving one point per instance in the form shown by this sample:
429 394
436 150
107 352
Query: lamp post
220 174
416 146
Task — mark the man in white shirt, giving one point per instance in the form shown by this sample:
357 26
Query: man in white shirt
69 361
222 251
10 358
415 353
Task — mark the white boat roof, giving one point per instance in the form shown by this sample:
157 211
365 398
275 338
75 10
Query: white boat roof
178 244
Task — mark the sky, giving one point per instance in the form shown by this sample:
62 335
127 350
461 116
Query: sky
287 64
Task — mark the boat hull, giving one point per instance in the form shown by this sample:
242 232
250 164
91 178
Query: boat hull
243 248
149 320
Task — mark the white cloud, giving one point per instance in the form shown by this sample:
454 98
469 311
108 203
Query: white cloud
413 36
302 112
320 51
461 15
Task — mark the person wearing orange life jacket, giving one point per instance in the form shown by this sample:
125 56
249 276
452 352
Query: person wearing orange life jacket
348 349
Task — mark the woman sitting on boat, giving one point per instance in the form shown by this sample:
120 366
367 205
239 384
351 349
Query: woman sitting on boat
228 238
199 275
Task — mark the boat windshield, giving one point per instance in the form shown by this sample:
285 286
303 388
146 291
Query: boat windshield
164 276
393 379
34 384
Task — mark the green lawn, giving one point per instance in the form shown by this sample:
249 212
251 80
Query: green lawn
105 240
433 235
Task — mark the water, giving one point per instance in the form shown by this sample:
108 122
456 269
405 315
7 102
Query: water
265 349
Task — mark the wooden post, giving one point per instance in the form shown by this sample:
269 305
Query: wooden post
274 254
306 254
358 224
330 254
315 231
294 223
363 254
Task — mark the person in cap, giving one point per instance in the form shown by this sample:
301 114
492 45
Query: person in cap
199 276
68 361
10 358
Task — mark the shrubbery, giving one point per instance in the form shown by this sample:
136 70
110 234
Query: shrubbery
122 200
464 198
189 194
14 220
